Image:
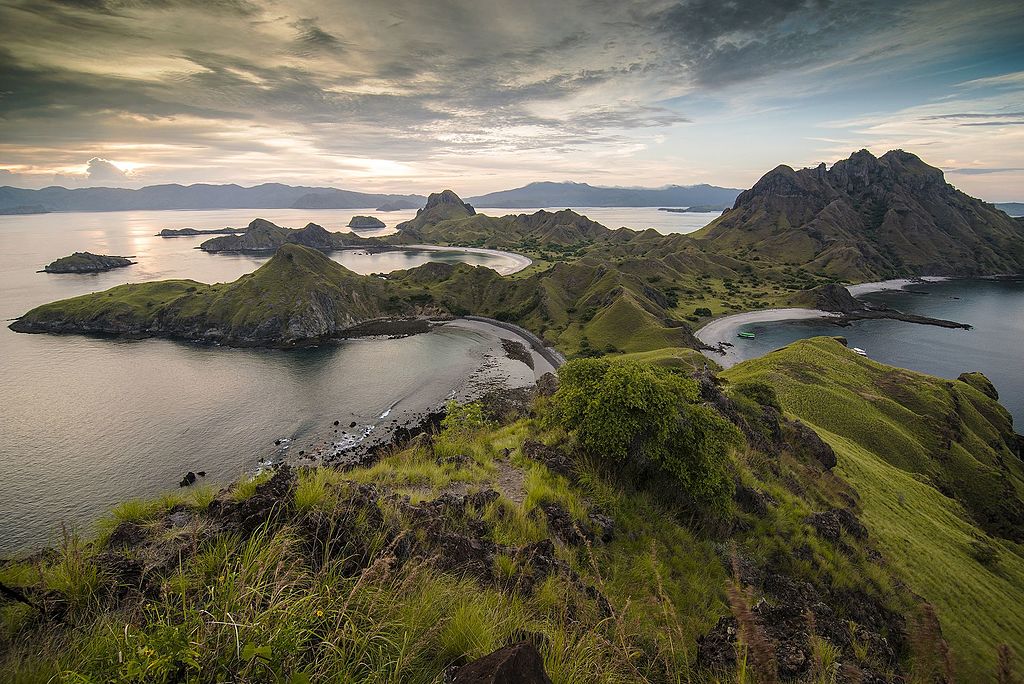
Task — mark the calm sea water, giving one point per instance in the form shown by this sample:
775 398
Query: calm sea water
995 346
87 423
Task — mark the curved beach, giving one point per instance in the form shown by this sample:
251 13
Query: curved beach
724 330
519 261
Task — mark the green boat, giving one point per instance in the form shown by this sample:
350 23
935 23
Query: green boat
746 335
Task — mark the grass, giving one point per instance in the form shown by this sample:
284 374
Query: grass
882 423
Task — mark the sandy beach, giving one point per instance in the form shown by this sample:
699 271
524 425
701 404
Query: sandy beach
894 284
725 329
519 261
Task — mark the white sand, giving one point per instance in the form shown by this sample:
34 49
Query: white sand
725 329
894 284
519 261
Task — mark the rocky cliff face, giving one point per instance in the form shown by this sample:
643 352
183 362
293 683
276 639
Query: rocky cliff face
440 206
869 218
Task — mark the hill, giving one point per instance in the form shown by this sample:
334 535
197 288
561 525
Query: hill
632 524
869 218
938 470
298 297
197 196
264 236
548 194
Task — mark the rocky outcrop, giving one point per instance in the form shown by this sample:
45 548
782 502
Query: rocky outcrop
87 262
192 232
365 223
517 664
440 206
835 298
792 613
980 382
869 218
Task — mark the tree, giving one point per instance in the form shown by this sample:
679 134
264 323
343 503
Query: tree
640 415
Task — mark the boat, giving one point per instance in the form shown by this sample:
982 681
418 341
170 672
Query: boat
858 350
746 335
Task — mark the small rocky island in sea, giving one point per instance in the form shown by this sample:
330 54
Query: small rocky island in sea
189 232
695 209
87 262
366 223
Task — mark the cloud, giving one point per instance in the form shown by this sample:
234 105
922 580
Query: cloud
214 90
312 38
98 169
980 171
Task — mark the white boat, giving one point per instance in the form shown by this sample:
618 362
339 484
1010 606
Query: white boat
858 350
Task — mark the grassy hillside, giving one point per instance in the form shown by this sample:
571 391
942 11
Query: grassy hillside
482 535
298 295
935 466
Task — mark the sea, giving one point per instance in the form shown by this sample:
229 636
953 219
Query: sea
87 422
994 345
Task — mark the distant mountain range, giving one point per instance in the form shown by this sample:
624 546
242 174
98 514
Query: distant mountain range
559 195
1011 208
198 196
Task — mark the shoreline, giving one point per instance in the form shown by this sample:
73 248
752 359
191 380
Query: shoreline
521 261
718 330
892 284
406 418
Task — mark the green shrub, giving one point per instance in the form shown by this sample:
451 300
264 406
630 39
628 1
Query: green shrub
463 419
635 413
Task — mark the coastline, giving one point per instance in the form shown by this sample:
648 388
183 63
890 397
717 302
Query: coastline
720 330
498 373
893 284
521 261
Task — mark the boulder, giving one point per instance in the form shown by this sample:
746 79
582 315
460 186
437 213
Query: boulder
517 664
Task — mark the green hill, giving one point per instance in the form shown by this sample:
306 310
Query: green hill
938 471
298 296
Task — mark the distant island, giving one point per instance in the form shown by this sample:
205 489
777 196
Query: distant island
399 205
24 209
87 262
191 232
695 209
1015 209
548 194
366 223
197 196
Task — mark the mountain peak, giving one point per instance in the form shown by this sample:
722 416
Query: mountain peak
870 218
447 198
440 206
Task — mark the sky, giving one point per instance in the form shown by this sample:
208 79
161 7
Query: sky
482 95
